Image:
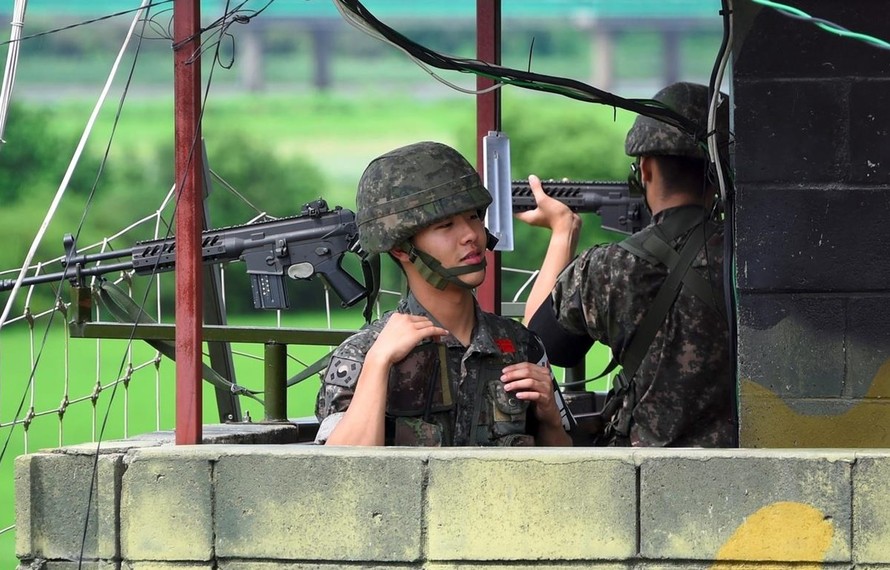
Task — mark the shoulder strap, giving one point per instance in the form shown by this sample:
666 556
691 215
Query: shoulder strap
625 393
654 247
678 269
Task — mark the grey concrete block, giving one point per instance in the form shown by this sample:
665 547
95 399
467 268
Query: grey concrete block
41 564
236 433
869 134
746 506
792 345
868 346
768 421
320 504
828 238
532 566
871 510
166 506
58 515
782 128
254 565
778 46
540 504
153 565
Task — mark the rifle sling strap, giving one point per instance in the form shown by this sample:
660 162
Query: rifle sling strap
678 270
656 247
371 274
122 307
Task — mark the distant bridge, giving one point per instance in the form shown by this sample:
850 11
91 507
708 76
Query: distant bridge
417 9
603 20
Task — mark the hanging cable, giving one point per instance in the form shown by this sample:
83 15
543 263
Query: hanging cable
12 60
71 166
87 22
831 27
727 191
357 15
714 151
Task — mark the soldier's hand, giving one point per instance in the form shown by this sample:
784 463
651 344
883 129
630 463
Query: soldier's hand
550 212
534 384
400 335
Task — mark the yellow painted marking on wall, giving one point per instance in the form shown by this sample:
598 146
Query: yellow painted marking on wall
783 531
767 421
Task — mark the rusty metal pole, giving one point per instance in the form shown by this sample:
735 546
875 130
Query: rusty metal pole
488 118
188 172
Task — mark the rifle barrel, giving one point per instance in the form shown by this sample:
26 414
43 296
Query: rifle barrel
70 272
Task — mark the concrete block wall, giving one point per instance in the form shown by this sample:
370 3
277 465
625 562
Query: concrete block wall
812 166
301 507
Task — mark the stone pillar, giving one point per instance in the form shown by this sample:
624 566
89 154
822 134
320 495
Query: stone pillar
602 57
250 42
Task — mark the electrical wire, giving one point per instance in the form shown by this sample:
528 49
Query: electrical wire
12 59
826 25
358 16
716 98
63 186
727 193
87 22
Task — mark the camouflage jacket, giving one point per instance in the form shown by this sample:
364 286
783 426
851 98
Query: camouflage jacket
461 403
684 386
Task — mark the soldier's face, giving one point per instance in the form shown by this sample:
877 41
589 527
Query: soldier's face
456 242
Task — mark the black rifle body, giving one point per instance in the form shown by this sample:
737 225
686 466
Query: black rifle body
619 210
298 247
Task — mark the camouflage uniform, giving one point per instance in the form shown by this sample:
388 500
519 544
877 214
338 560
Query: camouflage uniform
684 387
421 410
440 393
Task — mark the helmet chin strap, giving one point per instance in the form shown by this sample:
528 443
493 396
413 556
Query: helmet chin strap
436 275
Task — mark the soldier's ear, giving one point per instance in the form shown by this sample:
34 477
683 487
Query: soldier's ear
399 253
647 166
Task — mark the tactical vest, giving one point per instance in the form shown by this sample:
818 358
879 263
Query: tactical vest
424 409
654 247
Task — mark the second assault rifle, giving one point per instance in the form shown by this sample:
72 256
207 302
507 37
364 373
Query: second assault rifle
619 210
300 247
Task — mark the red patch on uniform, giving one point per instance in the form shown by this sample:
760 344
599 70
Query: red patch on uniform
506 345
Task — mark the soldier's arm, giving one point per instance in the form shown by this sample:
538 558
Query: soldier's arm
363 422
565 227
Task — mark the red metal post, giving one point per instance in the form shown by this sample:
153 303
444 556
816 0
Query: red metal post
488 118
188 171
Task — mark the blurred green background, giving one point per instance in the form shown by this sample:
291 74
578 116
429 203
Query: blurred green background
280 143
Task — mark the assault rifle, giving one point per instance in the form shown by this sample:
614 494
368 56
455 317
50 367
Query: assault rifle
619 210
300 247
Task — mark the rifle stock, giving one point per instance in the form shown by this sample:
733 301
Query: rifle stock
620 211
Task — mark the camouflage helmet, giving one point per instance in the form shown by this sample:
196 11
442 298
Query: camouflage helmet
411 187
652 137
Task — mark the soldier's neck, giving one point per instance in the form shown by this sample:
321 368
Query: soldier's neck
453 307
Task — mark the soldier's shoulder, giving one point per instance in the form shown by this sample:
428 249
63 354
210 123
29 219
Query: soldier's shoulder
358 343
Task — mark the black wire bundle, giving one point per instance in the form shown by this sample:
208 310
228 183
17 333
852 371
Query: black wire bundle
525 79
